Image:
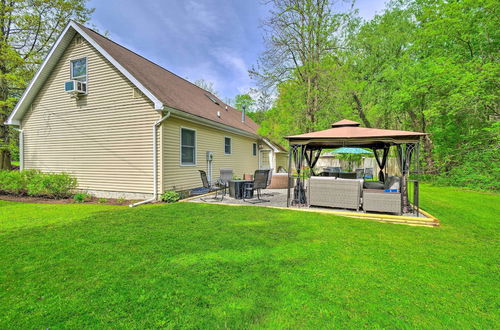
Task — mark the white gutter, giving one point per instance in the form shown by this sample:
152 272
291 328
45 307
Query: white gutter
21 148
210 123
155 163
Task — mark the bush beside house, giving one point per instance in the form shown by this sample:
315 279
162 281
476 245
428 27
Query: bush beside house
36 183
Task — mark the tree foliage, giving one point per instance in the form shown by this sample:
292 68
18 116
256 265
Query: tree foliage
423 65
28 28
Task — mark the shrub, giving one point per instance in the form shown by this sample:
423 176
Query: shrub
81 197
170 196
54 185
121 200
102 200
16 182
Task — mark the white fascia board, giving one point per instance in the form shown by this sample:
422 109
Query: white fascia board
266 141
13 120
158 105
17 113
207 122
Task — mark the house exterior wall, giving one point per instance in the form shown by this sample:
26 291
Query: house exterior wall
281 160
182 177
103 139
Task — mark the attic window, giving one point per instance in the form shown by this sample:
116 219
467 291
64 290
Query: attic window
79 69
212 99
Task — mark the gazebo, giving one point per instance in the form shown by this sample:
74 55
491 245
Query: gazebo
305 150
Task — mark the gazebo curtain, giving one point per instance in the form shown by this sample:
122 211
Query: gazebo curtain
312 158
381 162
299 195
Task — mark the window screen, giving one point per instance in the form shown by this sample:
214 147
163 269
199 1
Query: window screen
227 146
188 147
254 149
79 69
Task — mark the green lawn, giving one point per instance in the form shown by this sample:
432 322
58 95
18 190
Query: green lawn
209 266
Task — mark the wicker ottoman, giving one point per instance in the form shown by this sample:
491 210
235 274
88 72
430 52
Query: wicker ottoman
379 201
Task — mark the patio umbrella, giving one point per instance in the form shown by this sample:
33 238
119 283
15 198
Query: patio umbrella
347 150
352 155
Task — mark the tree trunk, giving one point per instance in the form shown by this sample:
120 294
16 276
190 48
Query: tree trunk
4 130
361 112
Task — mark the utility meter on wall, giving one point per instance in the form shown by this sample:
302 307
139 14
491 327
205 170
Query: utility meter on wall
210 156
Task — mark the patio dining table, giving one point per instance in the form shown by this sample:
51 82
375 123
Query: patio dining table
237 191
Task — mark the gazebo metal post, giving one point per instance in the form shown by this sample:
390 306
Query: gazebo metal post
299 196
290 155
405 154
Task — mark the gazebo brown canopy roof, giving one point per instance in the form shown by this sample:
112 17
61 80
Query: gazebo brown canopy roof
349 133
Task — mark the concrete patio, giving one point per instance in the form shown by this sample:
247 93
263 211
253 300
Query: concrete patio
278 197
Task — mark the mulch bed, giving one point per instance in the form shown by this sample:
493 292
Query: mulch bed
43 200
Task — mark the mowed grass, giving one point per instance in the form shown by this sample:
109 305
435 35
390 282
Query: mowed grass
209 266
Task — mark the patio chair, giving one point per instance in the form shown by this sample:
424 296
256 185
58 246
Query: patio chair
360 173
369 173
269 178
226 174
210 186
259 183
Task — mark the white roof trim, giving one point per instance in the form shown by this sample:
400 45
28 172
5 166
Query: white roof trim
271 145
207 122
157 103
16 115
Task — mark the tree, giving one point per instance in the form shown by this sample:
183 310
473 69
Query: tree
244 101
28 28
206 85
299 34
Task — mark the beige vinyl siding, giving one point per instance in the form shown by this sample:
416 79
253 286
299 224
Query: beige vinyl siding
178 177
104 138
265 160
281 160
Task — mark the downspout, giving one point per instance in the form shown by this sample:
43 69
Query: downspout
155 163
21 148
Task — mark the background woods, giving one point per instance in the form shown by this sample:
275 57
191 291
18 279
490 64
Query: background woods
424 65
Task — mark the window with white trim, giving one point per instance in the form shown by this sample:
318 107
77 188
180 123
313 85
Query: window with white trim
188 146
227 145
78 69
254 149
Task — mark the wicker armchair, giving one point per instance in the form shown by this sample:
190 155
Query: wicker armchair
377 200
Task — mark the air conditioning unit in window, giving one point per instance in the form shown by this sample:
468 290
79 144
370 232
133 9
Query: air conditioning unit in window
75 88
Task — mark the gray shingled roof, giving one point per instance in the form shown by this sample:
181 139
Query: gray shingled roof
172 90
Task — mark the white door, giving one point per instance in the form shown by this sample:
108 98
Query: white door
265 159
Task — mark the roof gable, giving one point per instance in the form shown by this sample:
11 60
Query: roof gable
162 87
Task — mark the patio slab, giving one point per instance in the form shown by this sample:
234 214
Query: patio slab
278 197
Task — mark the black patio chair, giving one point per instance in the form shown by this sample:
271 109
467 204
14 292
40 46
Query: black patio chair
210 186
226 174
269 178
259 182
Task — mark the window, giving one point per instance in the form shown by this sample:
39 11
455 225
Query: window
227 146
188 147
254 149
79 69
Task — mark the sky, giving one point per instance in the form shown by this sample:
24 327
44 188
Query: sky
214 40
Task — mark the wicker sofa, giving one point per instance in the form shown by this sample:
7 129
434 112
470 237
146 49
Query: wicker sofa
333 192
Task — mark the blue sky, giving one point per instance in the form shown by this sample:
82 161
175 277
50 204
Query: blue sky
214 40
